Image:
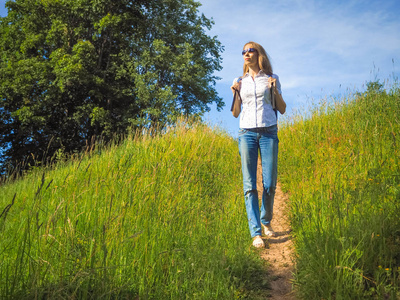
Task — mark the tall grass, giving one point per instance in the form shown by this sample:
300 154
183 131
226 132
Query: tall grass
157 217
341 166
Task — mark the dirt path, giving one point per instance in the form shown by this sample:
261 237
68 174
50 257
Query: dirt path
279 254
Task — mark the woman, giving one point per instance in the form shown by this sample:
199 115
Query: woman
258 132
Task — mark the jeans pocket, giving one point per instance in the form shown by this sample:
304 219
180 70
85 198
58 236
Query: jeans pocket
242 131
272 131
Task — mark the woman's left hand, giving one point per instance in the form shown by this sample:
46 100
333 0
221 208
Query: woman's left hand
271 80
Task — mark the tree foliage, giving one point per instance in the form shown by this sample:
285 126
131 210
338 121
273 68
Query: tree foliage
74 70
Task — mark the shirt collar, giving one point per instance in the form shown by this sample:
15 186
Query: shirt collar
260 73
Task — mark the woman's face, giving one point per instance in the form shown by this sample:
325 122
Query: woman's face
250 56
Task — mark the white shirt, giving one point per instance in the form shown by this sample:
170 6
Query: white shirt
256 101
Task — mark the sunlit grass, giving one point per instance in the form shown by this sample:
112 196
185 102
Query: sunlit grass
341 167
160 216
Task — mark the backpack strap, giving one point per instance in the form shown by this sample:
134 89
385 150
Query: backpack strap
273 100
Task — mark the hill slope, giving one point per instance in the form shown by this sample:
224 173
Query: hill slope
159 216
341 166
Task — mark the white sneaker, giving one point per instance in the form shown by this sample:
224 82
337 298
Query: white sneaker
268 231
258 242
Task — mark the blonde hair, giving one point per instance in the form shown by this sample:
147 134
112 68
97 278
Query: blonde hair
263 59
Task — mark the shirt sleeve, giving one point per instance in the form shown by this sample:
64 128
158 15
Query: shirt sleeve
236 80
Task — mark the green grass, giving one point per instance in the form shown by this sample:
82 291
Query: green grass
156 217
341 166
162 216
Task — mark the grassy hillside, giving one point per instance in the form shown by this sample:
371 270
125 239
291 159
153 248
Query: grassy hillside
158 217
162 216
341 166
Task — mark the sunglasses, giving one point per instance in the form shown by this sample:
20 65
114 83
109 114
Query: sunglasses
248 50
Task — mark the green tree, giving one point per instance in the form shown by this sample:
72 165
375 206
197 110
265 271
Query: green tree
71 70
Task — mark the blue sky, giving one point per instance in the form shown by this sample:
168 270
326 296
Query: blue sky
319 48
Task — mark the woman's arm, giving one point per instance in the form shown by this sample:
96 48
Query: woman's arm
280 103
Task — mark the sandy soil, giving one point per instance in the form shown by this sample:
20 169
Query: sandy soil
279 250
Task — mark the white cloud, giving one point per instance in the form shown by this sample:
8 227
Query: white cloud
305 38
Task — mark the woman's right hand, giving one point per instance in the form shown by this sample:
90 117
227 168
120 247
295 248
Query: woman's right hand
235 86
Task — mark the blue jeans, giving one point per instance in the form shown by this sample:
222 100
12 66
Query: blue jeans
266 141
